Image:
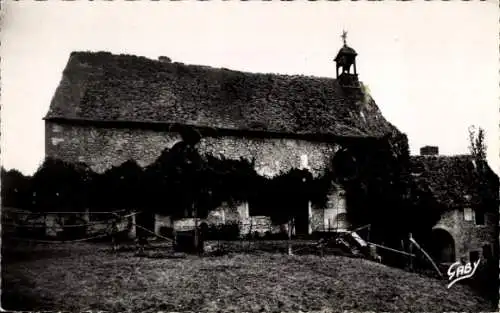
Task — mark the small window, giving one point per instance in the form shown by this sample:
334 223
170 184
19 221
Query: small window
468 214
479 218
473 256
304 161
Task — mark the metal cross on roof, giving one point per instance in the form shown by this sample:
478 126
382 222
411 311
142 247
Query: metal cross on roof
344 37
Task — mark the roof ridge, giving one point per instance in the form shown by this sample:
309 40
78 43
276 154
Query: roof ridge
443 156
205 66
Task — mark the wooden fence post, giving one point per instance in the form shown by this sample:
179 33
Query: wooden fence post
221 232
411 252
196 237
250 234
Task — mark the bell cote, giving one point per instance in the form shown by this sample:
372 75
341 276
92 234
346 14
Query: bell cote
346 58
346 66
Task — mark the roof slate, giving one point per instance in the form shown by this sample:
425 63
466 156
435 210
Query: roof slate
455 181
100 86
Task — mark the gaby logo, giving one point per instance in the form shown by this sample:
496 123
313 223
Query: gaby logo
457 271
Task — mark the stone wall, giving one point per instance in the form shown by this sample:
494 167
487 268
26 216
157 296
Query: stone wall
466 234
163 224
228 214
330 217
102 148
272 156
224 214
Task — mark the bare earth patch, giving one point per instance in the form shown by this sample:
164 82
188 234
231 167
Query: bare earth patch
90 276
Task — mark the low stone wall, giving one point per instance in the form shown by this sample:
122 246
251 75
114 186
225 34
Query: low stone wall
331 218
163 224
256 225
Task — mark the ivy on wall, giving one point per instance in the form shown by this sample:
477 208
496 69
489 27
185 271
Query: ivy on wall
376 181
373 173
178 181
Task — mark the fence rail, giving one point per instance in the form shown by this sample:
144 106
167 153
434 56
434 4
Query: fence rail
245 228
56 227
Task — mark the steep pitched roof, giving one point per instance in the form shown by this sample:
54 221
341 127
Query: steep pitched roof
455 181
101 86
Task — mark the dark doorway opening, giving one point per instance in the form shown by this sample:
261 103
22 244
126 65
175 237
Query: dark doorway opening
487 252
301 216
442 246
473 256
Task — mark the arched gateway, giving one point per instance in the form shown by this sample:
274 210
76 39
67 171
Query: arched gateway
442 246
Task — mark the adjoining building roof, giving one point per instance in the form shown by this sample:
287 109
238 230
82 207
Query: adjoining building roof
455 181
102 87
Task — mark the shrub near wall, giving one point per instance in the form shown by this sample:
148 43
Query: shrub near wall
119 188
375 177
60 186
181 179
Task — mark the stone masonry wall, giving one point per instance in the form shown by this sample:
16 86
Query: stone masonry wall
102 148
327 218
272 156
467 235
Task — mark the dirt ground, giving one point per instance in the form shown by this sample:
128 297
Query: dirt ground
85 276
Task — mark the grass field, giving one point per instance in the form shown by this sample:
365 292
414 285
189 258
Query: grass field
89 276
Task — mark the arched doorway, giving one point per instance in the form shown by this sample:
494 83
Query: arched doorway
442 246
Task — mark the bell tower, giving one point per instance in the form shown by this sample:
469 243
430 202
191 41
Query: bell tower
346 65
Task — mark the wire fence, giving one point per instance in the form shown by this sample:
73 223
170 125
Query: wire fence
251 234
63 227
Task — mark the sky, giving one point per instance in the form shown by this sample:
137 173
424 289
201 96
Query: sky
432 67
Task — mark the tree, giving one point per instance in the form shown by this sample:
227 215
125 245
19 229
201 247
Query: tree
483 178
228 179
176 182
374 174
477 145
487 184
58 185
119 187
15 189
477 148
